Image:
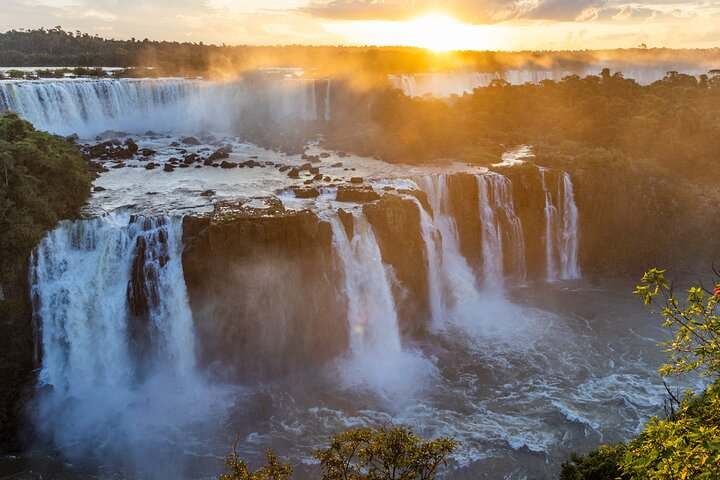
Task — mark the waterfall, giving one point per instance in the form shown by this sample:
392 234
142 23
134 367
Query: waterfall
377 359
88 107
569 244
451 281
327 100
444 84
561 228
372 320
90 279
498 220
116 336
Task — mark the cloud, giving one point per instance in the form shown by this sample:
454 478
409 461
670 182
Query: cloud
494 11
470 11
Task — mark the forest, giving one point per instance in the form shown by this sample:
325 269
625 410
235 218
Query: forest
55 47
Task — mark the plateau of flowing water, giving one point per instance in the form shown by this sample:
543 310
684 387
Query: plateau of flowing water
88 107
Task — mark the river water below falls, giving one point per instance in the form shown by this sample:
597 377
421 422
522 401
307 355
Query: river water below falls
559 368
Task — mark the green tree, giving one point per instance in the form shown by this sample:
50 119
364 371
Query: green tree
685 444
387 453
695 324
43 179
238 469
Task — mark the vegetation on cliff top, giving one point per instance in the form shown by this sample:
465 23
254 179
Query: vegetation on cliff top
43 179
685 444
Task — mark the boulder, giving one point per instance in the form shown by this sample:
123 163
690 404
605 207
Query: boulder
131 145
190 141
306 192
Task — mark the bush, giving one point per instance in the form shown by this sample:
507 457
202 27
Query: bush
604 463
387 453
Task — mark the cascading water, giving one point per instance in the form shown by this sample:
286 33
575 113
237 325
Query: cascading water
371 308
88 107
376 359
452 281
116 333
327 100
561 228
498 220
444 84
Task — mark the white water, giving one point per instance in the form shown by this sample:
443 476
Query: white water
561 228
377 359
498 219
88 107
457 83
452 283
327 100
113 384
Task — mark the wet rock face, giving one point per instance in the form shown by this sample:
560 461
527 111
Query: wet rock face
529 201
396 223
465 209
264 289
16 361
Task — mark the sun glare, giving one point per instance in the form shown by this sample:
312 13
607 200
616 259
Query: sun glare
438 31
435 31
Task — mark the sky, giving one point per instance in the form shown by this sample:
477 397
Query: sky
437 24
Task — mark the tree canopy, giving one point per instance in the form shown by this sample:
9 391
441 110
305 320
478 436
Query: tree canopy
43 179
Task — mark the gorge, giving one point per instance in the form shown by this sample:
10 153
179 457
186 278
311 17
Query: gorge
279 294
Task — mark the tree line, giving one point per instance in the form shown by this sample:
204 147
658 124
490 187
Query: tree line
45 47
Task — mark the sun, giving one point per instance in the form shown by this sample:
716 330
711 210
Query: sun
434 30
437 31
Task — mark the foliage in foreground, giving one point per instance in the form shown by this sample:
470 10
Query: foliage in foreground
686 444
387 453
